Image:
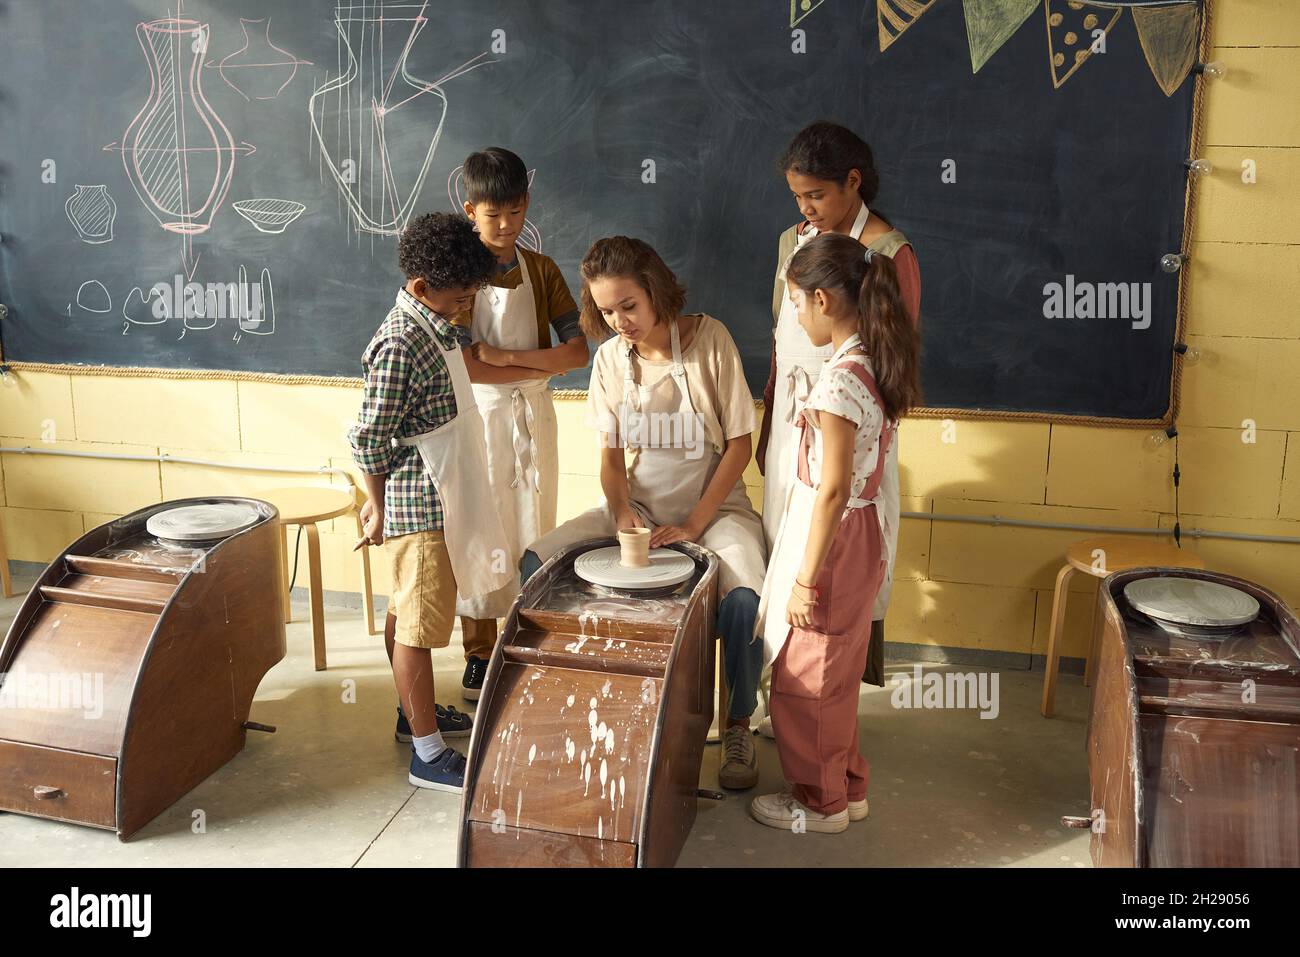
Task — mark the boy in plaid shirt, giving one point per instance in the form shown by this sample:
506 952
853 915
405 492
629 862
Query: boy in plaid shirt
409 392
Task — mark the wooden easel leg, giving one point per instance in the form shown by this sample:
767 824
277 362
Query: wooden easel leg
367 590
284 572
6 583
317 596
1054 637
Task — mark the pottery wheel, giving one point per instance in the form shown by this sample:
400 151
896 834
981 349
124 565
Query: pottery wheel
202 523
603 566
1191 603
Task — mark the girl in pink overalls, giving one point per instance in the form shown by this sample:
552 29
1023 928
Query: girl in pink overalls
830 553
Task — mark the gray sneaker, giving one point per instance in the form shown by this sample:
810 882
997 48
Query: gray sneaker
739 759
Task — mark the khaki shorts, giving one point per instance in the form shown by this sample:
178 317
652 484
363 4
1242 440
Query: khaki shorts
424 589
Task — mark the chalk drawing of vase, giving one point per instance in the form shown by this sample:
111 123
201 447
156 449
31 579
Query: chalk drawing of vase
380 166
91 211
178 154
259 70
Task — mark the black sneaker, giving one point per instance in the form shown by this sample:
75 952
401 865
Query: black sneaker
446 772
453 723
472 684
403 730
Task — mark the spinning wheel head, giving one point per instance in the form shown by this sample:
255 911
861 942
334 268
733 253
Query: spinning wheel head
603 566
202 523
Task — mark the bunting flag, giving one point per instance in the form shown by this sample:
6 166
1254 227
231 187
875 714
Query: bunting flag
1168 38
801 8
1070 35
990 23
895 16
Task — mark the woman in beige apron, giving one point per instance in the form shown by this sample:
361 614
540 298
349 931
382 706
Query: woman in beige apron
831 172
665 482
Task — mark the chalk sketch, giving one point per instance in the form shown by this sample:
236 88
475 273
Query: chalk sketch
990 23
178 154
529 236
1070 36
801 8
379 179
895 16
269 215
259 70
92 296
1168 38
91 210
258 316
144 314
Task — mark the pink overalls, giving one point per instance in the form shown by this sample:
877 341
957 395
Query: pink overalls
815 676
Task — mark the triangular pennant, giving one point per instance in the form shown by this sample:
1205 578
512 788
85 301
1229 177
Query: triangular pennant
990 23
895 16
1070 39
801 8
1168 38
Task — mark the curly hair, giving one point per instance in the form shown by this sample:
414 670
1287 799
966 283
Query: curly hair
627 258
444 250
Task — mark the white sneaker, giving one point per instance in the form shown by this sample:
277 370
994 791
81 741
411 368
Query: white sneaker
784 813
765 727
858 810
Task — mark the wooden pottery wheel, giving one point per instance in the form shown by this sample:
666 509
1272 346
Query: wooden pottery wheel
1192 607
202 523
603 566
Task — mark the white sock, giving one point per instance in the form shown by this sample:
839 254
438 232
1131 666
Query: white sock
429 746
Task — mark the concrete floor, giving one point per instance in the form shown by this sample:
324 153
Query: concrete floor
329 788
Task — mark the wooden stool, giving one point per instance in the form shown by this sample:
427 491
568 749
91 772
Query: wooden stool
306 506
1100 557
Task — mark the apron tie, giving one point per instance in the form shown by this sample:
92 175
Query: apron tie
524 440
799 390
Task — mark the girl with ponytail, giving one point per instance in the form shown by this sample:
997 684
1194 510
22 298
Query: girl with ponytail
832 175
835 540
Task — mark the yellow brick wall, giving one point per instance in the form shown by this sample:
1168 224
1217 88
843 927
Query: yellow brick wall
959 585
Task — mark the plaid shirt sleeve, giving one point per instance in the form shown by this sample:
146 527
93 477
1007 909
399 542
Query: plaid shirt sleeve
388 369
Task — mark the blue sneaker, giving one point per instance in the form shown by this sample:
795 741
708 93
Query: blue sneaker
446 772
453 723
403 730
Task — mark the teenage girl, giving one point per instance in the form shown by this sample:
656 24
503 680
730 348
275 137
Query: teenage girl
832 175
831 553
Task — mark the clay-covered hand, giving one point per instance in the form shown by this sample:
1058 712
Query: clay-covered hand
667 534
628 518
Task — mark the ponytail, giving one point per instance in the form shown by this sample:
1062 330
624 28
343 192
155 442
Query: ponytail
868 278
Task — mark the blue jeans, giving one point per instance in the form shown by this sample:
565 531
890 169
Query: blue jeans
742 657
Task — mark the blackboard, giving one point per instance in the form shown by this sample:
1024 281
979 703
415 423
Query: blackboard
1086 180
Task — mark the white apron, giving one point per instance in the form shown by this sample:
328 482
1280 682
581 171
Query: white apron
519 431
792 537
798 365
456 461
666 483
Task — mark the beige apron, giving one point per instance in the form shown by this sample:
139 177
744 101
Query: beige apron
519 431
792 535
666 482
798 365
456 462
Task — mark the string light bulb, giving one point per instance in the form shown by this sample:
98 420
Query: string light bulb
1215 69
1157 440
1191 354
1199 167
1172 262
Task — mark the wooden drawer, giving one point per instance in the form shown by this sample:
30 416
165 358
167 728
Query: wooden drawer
77 787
